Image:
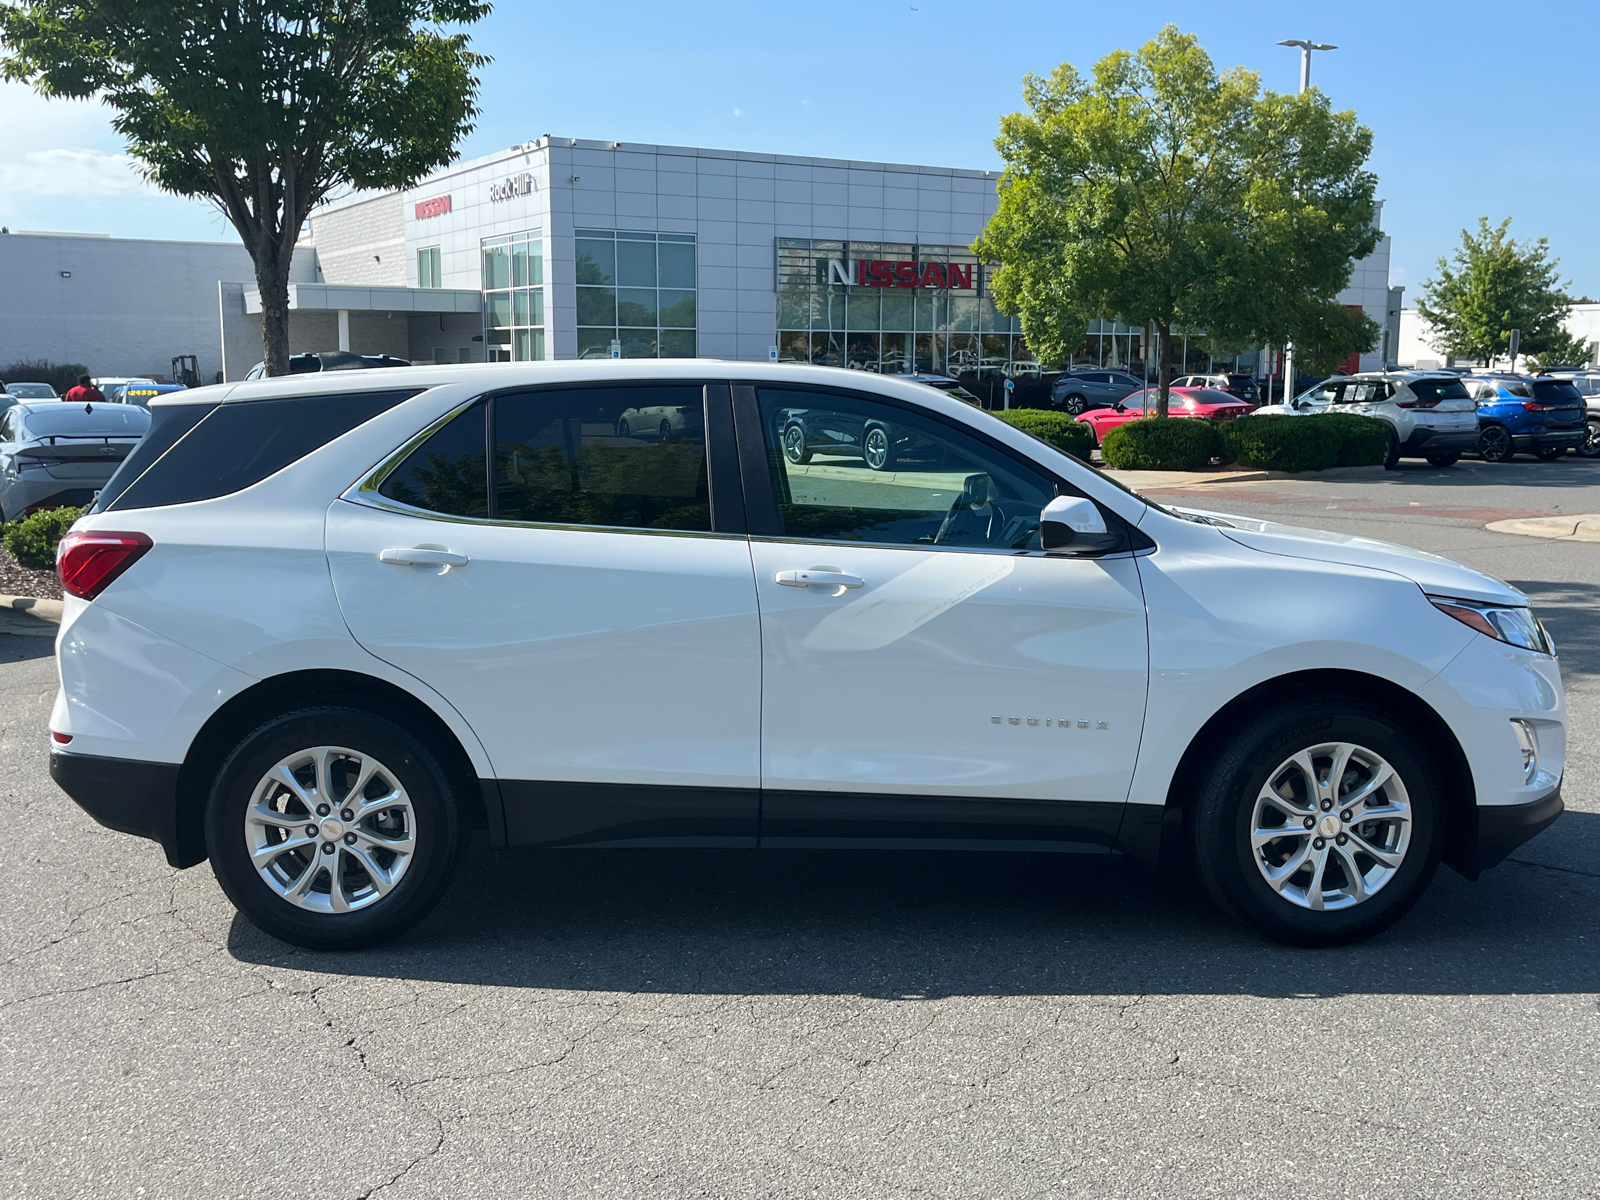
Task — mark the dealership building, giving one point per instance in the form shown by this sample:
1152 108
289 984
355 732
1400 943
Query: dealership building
564 248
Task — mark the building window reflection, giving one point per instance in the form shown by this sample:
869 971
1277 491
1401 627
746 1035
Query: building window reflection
513 298
429 274
637 291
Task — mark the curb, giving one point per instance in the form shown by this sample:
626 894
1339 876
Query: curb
29 615
1580 527
1170 479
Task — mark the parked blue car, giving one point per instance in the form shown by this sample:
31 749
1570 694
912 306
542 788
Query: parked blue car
1543 416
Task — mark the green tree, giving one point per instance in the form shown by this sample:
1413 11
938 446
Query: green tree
1496 284
263 107
1160 192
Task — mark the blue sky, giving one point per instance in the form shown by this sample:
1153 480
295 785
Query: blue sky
1477 109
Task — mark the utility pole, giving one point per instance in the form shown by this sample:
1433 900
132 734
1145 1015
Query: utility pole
1306 47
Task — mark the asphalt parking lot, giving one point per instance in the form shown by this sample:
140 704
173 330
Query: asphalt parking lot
808 1024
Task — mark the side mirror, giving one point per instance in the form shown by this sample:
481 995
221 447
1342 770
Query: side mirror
1117 407
1072 525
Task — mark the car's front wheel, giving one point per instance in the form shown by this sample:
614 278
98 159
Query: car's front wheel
794 444
1076 405
1591 445
1495 444
1319 823
877 448
333 828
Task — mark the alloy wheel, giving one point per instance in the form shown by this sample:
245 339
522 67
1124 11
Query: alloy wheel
1494 444
794 443
1330 826
875 448
1590 447
330 830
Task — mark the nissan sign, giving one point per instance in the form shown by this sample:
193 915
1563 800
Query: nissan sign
900 273
435 207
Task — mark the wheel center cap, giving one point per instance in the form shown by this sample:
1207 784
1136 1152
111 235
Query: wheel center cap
1329 826
332 829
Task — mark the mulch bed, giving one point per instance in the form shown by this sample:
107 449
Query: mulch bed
17 580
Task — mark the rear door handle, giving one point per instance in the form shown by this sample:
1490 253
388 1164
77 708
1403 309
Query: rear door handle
820 577
421 556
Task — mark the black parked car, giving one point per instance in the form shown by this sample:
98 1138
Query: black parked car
1079 391
804 432
1235 384
331 360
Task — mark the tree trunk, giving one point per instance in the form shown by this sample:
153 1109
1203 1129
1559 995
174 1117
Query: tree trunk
272 280
1163 368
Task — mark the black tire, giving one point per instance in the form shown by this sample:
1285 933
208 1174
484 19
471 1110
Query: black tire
1495 444
1391 456
623 429
665 431
1591 446
1443 460
1076 405
877 447
439 835
1549 453
794 444
1221 823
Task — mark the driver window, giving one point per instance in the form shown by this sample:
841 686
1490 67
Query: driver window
852 469
1328 393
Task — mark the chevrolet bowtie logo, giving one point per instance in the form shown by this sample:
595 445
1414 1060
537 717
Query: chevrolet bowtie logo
1049 722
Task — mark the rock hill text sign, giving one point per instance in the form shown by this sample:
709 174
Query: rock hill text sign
511 187
899 273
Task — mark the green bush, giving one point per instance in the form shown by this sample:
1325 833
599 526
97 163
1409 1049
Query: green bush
1363 441
1065 433
1295 444
32 540
1162 444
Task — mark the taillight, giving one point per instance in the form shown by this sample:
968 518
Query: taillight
1416 403
87 561
1535 406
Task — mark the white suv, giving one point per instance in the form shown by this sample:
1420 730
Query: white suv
1432 415
318 628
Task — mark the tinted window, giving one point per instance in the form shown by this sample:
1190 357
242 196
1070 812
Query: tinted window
448 473
237 445
849 468
167 425
1556 391
624 457
118 421
1439 389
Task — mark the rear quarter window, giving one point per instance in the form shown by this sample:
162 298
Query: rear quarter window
233 446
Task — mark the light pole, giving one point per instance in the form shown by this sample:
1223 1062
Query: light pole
1306 47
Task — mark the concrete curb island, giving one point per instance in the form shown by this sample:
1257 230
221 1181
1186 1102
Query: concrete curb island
29 615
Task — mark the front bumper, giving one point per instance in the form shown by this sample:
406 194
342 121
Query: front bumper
130 796
1501 828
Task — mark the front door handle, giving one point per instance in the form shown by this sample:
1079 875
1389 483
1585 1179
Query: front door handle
422 556
830 577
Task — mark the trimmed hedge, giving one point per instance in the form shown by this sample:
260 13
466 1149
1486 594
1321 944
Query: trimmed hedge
32 540
1294 444
1162 444
1065 433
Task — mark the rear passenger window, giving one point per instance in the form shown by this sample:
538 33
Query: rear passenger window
449 472
234 446
612 457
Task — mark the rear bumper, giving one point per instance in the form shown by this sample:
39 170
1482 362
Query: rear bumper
1428 441
129 796
1501 828
1538 441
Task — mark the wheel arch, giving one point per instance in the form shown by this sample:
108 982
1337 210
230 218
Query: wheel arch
1412 712
299 689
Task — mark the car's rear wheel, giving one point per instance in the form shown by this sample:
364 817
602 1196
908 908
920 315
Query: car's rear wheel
1591 445
1319 824
665 431
1443 460
878 448
1495 444
333 828
794 444
1549 453
1076 405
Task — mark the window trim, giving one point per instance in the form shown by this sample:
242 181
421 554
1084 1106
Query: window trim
761 501
719 483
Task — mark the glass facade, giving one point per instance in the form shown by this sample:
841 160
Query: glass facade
513 298
949 327
428 273
637 290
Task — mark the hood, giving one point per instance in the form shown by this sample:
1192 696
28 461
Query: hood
1433 573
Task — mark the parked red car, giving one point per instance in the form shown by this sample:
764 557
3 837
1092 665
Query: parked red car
1181 402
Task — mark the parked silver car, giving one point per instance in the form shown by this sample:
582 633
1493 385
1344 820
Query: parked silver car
54 454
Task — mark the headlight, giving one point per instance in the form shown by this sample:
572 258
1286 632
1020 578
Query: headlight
1515 626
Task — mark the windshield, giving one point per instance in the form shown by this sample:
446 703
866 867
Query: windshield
107 420
1439 389
31 391
1556 391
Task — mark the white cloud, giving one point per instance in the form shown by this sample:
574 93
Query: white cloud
81 173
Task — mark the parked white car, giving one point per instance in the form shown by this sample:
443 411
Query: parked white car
1432 414
315 633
